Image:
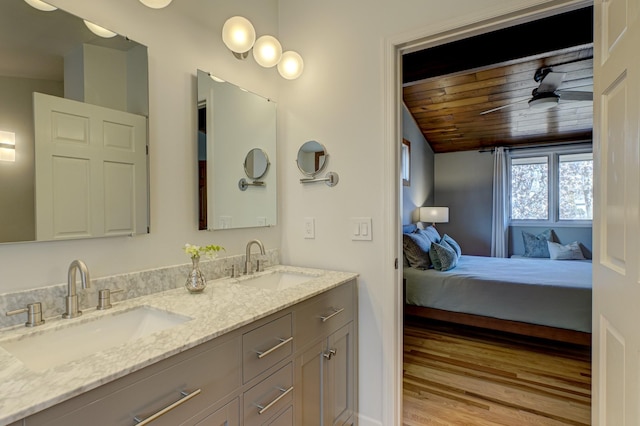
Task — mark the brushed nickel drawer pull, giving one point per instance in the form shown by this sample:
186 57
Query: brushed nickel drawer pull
276 347
328 317
284 393
185 397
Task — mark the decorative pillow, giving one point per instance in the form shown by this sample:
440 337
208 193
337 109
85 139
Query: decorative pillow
453 243
536 245
416 249
443 256
570 251
431 233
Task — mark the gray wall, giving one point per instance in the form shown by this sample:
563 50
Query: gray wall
463 182
421 191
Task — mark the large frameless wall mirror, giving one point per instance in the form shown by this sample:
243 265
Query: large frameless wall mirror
236 156
76 107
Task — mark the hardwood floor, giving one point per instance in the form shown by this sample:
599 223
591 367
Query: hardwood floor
456 375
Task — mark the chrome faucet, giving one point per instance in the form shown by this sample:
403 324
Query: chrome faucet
71 300
248 268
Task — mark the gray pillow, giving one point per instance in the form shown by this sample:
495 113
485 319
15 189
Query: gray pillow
453 243
416 249
570 251
536 245
443 256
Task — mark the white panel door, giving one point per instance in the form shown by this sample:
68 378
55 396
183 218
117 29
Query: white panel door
91 170
616 225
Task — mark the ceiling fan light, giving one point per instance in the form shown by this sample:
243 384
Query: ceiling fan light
238 34
156 4
291 65
40 5
543 103
267 51
99 31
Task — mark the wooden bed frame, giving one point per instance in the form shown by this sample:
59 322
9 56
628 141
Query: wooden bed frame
522 328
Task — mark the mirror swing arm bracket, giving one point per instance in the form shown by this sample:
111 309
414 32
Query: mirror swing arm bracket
331 179
243 184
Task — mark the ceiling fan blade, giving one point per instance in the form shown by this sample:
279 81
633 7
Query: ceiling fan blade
504 106
551 82
574 95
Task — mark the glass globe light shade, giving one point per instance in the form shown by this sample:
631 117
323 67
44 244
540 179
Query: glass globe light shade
291 65
40 5
238 34
156 4
99 31
267 51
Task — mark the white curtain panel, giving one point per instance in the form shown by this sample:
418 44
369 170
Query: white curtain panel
500 228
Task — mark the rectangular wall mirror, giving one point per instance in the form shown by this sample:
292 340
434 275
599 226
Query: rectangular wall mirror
73 128
236 156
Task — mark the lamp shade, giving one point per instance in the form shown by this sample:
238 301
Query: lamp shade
156 4
99 31
267 51
238 34
40 5
434 214
291 65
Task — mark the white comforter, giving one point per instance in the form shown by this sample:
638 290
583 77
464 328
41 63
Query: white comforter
539 291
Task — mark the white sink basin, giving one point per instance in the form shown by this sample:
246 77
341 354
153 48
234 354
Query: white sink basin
276 280
42 350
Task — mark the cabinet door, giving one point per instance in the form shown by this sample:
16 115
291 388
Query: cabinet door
308 386
339 375
226 416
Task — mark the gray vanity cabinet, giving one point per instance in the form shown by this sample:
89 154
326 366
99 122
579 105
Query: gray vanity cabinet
276 371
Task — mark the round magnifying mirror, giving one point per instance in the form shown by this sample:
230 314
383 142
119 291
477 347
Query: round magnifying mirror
256 163
312 158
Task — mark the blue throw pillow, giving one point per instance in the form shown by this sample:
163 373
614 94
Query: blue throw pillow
443 256
536 245
416 250
453 243
431 233
568 252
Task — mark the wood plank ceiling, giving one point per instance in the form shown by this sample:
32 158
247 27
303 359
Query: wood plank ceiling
448 89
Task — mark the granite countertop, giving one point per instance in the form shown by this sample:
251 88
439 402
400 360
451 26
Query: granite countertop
225 305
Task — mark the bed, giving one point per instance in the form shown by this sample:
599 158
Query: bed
537 297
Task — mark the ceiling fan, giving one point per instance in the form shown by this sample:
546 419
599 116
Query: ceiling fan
547 94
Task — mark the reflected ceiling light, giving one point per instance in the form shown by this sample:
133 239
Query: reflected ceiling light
40 5
156 4
7 146
239 36
291 65
267 51
99 31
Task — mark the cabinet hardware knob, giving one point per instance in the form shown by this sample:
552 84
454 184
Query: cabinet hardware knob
335 312
185 397
328 355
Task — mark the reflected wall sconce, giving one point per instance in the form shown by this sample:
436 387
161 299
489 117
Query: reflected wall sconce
7 146
434 215
156 4
239 35
99 31
40 5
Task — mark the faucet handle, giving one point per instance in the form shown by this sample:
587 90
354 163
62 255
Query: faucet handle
260 265
234 270
34 314
104 298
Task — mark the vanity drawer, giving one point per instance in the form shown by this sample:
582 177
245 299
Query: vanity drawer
271 395
199 377
265 346
324 314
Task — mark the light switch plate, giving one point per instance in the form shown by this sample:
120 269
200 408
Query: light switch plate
309 228
361 229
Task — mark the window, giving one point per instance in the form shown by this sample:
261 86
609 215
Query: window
406 162
551 186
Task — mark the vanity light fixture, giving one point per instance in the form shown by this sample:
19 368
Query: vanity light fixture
156 4
40 5
7 146
99 31
239 35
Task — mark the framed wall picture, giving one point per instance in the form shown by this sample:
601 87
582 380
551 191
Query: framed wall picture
406 162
